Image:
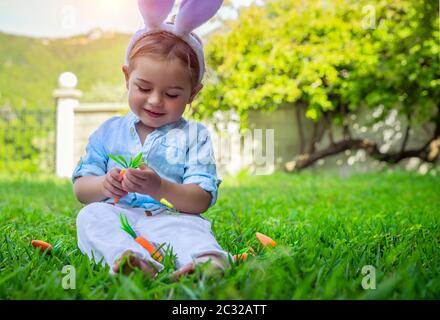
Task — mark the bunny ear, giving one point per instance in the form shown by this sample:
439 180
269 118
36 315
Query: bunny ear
155 12
193 13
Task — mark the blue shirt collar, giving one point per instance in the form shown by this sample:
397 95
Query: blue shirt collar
133 118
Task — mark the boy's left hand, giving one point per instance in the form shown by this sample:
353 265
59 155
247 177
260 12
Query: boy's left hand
143 180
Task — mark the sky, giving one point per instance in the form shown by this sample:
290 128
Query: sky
63 18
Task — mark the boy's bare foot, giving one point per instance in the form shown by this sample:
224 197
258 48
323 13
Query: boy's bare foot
214 268
186 269
129 261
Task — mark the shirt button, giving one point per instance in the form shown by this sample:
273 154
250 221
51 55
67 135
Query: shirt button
132 130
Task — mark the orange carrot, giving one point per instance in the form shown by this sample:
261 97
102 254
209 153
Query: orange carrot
121 174
43 246
240 256
149 247
265 240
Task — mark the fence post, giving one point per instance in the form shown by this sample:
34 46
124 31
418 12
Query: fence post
66 99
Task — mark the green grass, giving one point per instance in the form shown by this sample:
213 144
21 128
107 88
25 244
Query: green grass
327 228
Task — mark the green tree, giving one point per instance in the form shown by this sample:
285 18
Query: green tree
335 57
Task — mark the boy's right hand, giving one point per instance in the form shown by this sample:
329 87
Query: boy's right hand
112 185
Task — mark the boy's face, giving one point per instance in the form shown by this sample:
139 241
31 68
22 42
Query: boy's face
158 90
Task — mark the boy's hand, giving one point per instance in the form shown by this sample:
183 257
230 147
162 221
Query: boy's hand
143 181
112 185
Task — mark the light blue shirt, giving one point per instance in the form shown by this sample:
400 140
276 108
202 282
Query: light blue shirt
180 152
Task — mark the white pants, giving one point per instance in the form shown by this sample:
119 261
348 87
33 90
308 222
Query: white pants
101 238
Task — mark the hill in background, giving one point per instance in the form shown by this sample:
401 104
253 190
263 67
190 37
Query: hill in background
29 67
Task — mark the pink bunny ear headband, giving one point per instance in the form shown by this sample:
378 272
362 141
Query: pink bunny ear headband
191 15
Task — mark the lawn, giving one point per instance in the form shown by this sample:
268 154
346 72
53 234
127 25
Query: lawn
327 229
